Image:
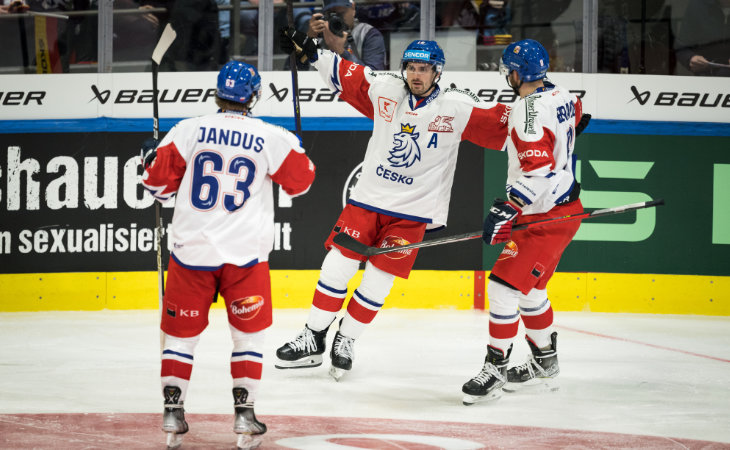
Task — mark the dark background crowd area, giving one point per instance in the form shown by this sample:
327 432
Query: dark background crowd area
664 37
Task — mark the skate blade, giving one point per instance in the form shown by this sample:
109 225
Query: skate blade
174 440
309 361
248 441
337 373
469 400
534 386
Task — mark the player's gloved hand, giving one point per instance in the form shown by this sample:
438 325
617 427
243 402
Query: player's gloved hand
149 151
498 224
582 124
292 39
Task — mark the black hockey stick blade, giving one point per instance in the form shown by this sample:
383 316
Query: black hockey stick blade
348 242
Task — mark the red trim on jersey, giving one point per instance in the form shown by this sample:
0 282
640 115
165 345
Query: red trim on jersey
174 368
539 322
295 174
487 127
167 170
359 312
355 87
504 330
536 154
326 302
578 111
246 369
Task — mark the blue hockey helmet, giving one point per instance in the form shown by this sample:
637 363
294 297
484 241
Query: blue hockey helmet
527 57
424 52
238 82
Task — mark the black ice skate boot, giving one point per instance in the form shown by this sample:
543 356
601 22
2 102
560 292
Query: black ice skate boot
342 355
539 371
173 418
304 351
487 385
249 429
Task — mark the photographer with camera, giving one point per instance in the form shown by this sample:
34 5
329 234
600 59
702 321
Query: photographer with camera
353 40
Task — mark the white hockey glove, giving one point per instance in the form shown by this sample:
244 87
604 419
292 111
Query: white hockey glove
498 224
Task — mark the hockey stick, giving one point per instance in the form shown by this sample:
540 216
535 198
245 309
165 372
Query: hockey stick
350 243
294 74
168 36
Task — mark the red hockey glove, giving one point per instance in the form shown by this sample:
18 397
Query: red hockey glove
498 224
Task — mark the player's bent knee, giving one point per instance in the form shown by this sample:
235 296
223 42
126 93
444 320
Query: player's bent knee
502 299
337 269
375 283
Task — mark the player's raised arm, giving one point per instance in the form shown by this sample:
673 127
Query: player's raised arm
348 79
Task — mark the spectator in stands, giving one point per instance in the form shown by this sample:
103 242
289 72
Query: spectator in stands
391 16
359 42
703 41
13 7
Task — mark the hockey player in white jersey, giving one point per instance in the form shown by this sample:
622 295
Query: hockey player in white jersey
541 184
221 168
404 188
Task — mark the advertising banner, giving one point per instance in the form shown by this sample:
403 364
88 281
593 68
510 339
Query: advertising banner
72 202
187 94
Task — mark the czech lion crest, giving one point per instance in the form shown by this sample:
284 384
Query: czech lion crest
405 151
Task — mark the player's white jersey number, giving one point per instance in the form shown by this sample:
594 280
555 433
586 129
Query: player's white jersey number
209 170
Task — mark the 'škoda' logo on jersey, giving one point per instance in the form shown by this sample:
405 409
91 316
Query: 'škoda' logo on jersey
248 307
405 151
509 251
441 124
395 241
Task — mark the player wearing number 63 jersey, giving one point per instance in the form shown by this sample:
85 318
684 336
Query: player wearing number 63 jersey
404 187
543 126
221 168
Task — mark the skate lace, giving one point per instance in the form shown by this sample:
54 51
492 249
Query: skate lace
529 366
343 347
487 372
305 341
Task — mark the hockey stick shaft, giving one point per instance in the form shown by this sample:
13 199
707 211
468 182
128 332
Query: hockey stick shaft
166 39
350 243
294 74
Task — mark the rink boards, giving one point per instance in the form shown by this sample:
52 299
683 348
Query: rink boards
425 289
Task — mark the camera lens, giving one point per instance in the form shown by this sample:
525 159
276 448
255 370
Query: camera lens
336 24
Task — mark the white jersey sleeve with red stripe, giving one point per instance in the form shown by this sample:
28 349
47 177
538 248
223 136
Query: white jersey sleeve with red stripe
540 147
221 166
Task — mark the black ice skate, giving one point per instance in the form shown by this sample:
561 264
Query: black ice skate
173 418
538 372
487 385
304 351
249 429
342 354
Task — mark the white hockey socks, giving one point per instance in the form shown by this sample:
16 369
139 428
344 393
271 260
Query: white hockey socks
504 320
331 291
177 362
366 301
247 360
537 315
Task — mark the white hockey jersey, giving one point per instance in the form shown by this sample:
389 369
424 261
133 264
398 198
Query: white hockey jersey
222 166
409 164
540 148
